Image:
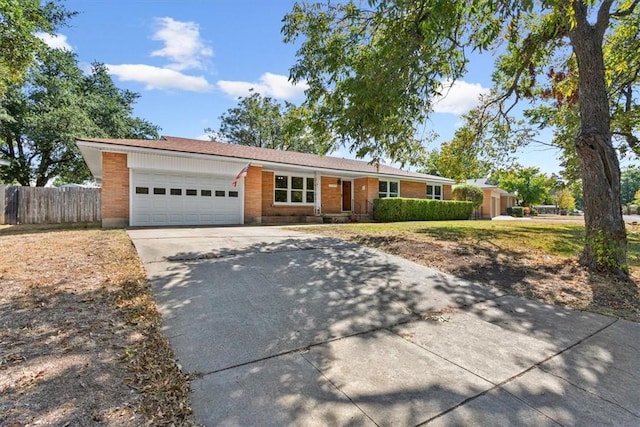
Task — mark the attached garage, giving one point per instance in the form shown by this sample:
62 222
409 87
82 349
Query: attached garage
171 199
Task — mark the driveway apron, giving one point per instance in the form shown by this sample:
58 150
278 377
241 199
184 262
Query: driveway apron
284 328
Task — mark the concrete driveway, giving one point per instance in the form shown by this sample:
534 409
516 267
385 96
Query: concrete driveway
285 328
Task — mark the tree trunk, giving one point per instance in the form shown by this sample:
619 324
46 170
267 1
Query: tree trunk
606 241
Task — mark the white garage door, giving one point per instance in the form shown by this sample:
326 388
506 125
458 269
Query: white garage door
161 199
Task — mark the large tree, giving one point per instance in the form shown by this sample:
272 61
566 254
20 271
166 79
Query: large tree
530 186
57 104
261 121
374 69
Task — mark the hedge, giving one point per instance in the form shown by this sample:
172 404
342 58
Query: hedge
392 209
517 211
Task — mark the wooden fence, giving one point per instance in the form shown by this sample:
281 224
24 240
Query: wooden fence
38 205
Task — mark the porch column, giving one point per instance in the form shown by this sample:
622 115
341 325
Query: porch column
317 204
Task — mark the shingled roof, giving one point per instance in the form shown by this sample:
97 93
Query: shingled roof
196 146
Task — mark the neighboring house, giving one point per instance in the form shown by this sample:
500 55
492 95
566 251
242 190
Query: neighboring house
179 181
496 200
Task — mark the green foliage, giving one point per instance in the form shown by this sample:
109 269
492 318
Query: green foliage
19 23
563 199
529 184
629 184
261 121
606 252
636 198
58 104
465 156
517 211
393 209
468 193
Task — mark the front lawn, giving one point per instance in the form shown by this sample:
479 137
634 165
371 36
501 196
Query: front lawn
80 338
527 258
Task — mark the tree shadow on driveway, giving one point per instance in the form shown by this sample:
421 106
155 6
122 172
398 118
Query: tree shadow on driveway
265 299
302 332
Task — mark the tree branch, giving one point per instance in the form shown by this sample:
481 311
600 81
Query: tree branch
620 13
631 139
604 15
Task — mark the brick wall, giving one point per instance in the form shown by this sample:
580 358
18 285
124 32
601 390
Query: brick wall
253 195
115 190
331 195
365 190
446 192
413 190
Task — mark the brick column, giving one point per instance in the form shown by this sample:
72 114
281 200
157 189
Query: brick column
253 195
115 190
446 192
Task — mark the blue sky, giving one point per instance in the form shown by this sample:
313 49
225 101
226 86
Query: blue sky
191 59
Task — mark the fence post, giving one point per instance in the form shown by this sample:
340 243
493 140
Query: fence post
11 207
3 191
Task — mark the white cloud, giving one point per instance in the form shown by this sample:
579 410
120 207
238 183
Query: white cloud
55 41
458 98
182 44
213 136
183 47
159 78
269 84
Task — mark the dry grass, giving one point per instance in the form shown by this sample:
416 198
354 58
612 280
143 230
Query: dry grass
79 339
529 259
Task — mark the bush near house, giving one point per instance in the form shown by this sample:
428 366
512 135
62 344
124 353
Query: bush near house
401 209
516 211
469 193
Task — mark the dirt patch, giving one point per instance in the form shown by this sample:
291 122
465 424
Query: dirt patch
530 274
79 334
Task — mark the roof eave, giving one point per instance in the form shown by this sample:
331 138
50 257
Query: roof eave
88 145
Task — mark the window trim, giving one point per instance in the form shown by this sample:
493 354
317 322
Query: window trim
433 196
305 190
388 193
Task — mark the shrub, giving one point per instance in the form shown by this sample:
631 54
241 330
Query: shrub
400 209
468 193
517 211
510 211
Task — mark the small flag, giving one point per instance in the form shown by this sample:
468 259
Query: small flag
241 174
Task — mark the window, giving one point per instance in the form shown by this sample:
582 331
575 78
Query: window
176 191
192 192
219 193
142 190
233 194
388 189
310 194
294 189
434 192
281 193
157 190
205 193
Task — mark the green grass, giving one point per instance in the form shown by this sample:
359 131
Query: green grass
554 239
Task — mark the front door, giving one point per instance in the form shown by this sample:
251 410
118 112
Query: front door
346 195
